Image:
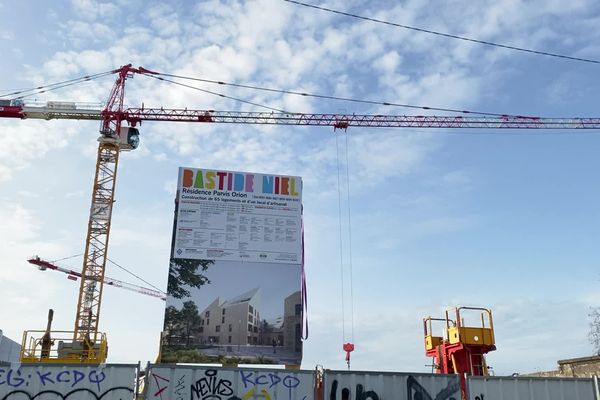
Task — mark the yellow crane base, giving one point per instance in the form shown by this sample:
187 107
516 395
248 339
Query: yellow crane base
59 347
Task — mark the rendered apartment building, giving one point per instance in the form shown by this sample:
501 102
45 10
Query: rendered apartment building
235 321
238 322
292 322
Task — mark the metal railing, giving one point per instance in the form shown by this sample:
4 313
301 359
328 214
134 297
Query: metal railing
59 347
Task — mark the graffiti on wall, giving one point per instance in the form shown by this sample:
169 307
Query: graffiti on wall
414 391
213 384
68 383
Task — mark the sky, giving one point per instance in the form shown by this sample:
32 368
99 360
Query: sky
498 219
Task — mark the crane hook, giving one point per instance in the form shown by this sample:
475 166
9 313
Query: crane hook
348 348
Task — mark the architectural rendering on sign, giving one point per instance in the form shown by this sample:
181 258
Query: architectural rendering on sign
249 312
235 270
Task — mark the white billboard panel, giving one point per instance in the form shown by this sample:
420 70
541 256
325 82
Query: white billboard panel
238 216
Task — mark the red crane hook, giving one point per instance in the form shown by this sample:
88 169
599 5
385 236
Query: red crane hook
348 348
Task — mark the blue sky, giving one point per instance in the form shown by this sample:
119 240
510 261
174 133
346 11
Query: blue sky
485 218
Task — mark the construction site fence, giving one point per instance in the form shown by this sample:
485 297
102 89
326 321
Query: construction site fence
68 381
526 388
193 382
344 385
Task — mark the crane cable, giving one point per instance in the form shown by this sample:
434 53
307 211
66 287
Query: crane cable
337 159
59 85
348 347
338 98
350 239
66 258
213 93
54 86
117 265
134 275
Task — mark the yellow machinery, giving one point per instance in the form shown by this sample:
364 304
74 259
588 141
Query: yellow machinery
64 350
461 347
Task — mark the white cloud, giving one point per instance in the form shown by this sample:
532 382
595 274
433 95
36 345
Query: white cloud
590 299
91 9
164 20
19 224
84 33
25 143
388 63
20 238
379 155
7 35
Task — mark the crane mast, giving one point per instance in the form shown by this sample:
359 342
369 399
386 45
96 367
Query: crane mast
92 274
88 344
112 141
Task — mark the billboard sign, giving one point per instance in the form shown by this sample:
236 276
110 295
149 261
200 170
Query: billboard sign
238 216
234 292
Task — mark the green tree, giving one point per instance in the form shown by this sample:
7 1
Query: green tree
594 334
186 272
190 319
172 322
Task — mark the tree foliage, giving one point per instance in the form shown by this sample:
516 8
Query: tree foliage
172 318
186 272
190 319
182 323
594 334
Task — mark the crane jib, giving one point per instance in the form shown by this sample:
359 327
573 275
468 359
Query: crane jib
11 112
339 121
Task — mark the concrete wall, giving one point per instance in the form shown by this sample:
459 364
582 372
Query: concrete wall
584 367
580 367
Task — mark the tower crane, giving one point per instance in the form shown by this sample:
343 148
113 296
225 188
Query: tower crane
118 133
44 265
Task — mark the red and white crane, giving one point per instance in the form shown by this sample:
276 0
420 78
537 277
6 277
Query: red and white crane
118 133
44 265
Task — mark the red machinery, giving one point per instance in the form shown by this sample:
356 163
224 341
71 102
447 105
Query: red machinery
462 347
